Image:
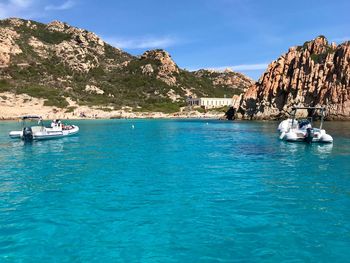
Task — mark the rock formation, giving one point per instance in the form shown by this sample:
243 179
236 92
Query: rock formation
94 89
81 51
315 74
227 77
167 68
8 45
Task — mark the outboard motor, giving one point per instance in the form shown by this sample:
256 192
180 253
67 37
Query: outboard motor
309 135
27 134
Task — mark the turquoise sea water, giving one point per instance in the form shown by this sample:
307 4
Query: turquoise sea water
175 191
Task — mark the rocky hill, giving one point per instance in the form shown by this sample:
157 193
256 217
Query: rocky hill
315 74
226 78
68 67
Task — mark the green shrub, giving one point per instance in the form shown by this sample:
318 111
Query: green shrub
53 97
4 85
70 109
319 58
57 102
305 45
51 37
105 109
165 107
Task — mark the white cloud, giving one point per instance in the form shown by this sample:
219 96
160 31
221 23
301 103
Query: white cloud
141 43
29 8
243 67
15 8
248 67
20 3
64 6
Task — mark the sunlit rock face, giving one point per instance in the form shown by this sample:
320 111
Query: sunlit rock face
315 74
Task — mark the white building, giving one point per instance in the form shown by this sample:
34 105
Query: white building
209 103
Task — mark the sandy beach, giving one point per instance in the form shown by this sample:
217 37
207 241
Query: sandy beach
13 106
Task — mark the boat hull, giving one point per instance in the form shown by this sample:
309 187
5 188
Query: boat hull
15 134
48 135
319 137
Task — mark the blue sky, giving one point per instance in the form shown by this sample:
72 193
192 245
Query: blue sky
243 34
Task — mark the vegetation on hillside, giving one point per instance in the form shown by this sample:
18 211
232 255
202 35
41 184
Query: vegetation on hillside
117 73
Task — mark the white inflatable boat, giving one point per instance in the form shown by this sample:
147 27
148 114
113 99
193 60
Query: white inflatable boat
39 132
293 130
